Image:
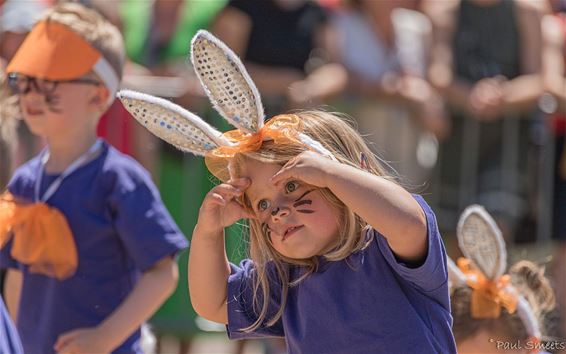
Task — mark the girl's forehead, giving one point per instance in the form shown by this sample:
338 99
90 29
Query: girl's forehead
260 174
257 170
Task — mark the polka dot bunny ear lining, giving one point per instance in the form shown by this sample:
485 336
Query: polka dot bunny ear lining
227 83
232 93
172 123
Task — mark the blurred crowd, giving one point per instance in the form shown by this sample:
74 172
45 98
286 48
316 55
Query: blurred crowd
465 100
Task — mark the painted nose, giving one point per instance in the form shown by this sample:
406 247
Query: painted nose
279 212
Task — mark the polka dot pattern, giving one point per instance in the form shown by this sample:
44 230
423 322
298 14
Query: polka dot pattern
170 126
227 87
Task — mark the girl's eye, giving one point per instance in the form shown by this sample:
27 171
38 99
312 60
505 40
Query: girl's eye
292 186
262 205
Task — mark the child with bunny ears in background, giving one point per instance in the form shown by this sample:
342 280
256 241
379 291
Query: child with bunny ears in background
342 259
495 312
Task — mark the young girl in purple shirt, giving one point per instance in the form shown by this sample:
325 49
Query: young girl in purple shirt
342 259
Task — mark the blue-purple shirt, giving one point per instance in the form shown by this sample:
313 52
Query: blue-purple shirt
367 303
121 229
9 339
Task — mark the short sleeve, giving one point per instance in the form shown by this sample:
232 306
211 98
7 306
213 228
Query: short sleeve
241 313
432 273
145 226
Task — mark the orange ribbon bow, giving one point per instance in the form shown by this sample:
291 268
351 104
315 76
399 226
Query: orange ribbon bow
488 296
283 128
42 238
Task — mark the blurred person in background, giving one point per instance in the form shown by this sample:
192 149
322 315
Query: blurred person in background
486 62
286 46
554 80
16 20
384 46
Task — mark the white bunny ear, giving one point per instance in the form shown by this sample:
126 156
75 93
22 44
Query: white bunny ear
455 275
226 82
480 241
172 123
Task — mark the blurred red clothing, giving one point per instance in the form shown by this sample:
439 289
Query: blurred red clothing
116 126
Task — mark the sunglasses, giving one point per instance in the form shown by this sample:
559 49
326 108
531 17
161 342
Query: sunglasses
21 84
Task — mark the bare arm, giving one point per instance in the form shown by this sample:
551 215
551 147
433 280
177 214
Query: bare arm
208 265
522 92
386 206
153 288
12 291
208 275
553 74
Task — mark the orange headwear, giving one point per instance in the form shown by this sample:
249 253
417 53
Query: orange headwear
41 237
281 129
488 296
52 51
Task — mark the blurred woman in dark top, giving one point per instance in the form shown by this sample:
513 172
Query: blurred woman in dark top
486 61
285 45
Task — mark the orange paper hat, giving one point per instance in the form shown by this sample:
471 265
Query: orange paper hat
41 237
52 51
234 95
483 268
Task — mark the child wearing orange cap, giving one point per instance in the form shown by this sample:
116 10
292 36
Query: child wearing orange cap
83 223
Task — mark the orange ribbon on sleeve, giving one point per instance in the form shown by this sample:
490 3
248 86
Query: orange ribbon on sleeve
488 297
42 238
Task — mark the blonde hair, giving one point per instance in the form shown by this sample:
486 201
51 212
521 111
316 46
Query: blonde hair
344 142
530 282
93 28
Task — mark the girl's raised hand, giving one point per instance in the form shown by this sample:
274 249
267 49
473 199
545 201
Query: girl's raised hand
309 167
220 207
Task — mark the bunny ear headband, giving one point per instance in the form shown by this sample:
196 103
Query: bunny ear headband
482 270
234 95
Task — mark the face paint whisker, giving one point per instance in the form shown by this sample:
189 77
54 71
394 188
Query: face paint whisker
303 195
305 211
302 202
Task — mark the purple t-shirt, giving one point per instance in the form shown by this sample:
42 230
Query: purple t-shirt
9 339
368 303
121 228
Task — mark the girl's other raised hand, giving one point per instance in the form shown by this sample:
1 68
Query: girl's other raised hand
221 208
309 167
